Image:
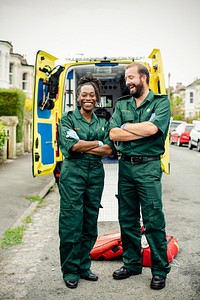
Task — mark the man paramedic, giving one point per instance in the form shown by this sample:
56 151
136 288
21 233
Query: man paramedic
140 124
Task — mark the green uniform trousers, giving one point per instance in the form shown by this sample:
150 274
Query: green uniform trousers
80 186
140 186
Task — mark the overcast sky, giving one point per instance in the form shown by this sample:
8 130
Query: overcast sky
65 28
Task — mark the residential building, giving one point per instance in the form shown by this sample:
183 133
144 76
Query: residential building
190 95
192 100
179 90
15 72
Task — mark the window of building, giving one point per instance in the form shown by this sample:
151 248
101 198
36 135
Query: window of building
11 75
24 82
191 97
190 114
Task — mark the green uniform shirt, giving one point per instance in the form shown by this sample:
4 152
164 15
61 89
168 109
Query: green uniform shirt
97 129
155 108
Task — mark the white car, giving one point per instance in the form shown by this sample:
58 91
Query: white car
174 124
194 140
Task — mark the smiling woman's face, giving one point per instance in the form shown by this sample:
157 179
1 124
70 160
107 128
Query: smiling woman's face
87 97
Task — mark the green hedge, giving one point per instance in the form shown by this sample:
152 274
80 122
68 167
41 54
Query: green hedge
12 104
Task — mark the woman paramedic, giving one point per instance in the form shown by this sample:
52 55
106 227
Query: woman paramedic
83 140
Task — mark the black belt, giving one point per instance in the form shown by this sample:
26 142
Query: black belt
139 159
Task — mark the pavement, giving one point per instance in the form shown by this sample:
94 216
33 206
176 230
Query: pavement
16 183
31 270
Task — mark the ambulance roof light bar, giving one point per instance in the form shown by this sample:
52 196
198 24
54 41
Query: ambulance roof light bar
104 59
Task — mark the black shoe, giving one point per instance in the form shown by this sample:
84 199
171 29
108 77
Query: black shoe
90 277
72 284
158 282
124 273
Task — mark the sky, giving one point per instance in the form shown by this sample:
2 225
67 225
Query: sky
98 28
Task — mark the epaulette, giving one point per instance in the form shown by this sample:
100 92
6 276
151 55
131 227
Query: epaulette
124 97
160 95
69 112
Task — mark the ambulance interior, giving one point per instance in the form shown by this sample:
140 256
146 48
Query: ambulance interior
111 76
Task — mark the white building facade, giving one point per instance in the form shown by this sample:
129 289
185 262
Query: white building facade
14 70
15 73
192 100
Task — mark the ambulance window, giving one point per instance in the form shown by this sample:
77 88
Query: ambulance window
111 76
107 101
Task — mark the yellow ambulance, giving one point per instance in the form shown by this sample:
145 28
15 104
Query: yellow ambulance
55 93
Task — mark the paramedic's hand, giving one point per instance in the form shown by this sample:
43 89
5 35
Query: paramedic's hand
123 125
152 116
72 134
100 143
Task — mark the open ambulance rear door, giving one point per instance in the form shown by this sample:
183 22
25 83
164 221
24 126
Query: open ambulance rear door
157 84
46 111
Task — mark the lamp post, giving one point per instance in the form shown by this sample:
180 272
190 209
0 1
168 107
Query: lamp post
169 85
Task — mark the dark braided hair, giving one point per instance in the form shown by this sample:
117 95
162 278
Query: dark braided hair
90 80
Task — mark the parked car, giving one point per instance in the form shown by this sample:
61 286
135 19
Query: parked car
194 138
173 125
181 134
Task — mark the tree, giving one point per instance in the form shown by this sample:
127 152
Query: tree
177 108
